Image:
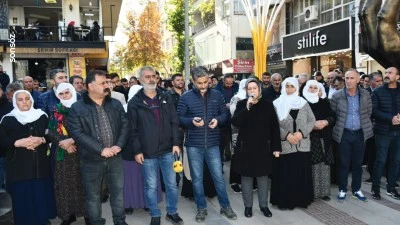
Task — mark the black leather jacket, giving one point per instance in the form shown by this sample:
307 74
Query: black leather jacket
83 126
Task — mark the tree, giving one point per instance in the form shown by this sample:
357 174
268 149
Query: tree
176 21
144 39
207 9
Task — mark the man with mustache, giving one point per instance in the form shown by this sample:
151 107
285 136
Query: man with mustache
99 126
155 139
386 112
202 111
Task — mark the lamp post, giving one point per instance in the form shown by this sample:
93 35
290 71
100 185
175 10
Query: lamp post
112 31
187 57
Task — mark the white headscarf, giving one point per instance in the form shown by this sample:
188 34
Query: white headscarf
238 96
24 117
322 89
132 92
285 102
66 86
311 97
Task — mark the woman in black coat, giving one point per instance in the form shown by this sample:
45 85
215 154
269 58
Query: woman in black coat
22 133
258 140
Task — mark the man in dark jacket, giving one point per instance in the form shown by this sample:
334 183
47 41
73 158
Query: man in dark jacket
155 140
201 110
273 91
353 108
28 85
4 78
99 127
48 100
386 112
5 107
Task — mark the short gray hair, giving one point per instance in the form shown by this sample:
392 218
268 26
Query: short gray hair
276 75
146 68
199 71
13 87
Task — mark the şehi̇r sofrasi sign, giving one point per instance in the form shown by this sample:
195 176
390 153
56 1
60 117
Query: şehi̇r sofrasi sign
326 38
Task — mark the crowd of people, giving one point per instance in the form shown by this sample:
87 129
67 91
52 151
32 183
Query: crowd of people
71 148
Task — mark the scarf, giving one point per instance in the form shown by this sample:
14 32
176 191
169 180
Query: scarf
24 117
56 124
311 97
66 86
286 102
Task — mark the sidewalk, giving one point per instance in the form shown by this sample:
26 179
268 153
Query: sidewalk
352 211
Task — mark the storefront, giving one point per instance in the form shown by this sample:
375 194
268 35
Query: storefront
323 48
275 64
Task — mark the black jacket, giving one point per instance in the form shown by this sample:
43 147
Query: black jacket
146 136
5 107
21 163
83 126
382 109
269 94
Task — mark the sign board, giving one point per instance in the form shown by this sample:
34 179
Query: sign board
77 66
243 65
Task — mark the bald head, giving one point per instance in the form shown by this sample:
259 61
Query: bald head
28 83
331 76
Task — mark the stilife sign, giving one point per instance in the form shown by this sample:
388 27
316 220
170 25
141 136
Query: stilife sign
243 65
336 36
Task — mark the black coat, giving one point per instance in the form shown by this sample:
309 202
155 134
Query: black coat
146 136
269 94
322 138
5 107
21 163
258 138
83 126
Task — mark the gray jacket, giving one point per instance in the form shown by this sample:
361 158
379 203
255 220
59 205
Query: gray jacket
339 106
305 122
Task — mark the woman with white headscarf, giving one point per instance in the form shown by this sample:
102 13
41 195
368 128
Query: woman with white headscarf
291 180
234 178
68 189
321 138
23 134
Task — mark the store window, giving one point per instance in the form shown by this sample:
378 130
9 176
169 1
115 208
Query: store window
331 62
328 11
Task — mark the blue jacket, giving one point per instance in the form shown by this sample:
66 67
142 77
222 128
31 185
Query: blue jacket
193 104
382 103
47 101
220 87
35 96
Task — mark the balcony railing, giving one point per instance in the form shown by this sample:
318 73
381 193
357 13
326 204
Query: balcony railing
52 33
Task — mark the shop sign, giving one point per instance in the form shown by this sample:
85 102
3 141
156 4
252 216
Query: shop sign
243 66
77 66
327 38
274 55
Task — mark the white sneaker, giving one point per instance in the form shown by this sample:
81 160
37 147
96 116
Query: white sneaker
341 196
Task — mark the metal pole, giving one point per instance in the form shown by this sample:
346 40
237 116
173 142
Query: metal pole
187 57
112 32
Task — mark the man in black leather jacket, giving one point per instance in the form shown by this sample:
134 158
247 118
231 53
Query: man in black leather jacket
99 127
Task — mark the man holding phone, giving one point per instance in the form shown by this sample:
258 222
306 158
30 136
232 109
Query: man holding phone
200 111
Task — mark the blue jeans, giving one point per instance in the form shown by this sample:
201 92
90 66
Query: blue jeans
2 170
212 156
150 174
351 150
386 144
92 174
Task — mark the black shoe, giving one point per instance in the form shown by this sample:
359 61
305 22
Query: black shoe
104 198
236 188
326 198
174 219
248 212
368 181
87 222
70 220
266 211
394 194
376 195
155 221
129 211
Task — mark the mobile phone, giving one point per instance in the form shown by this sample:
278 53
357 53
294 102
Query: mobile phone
198 120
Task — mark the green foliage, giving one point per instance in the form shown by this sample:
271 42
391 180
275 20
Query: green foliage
207 9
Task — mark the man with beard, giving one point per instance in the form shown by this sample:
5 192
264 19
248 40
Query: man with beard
117 86
201 111
155 140
48 100
266 80
116 95
274 90
99 127
386 114
35 85
329 89
28 85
